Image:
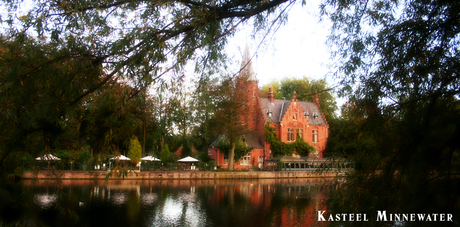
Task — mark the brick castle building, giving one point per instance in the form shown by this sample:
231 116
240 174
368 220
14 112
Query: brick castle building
289 118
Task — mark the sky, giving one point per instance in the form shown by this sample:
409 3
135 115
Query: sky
297 49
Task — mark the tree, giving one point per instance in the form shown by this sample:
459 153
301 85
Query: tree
165 155
305 89
202 103
400 71
58 55
240 149
135 150
112 117
263 92
38 85
146 33
228 118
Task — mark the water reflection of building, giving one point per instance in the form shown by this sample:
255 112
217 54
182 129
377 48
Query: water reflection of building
264 202
291 204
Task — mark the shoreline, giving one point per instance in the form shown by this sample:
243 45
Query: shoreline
175 175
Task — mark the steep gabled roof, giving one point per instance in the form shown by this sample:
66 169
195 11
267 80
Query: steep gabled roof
279 107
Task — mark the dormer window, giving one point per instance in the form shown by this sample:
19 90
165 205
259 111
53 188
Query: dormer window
315 115
306 114
269 113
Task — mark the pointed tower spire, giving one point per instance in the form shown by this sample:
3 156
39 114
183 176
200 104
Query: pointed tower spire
246 65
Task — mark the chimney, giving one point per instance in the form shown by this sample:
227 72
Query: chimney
271 97
316 99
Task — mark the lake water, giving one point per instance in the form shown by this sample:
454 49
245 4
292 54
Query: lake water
267 202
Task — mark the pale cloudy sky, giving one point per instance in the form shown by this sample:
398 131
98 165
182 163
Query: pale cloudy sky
297 49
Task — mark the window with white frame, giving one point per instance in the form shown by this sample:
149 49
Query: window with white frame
290 134
246 160
315 136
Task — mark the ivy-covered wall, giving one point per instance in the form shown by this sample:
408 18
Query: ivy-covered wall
280 148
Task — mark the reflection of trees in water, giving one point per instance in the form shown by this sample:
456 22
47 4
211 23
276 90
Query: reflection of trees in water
187 203
260 205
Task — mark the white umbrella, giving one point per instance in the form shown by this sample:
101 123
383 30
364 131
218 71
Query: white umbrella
188 159
121 158
149 158
47 157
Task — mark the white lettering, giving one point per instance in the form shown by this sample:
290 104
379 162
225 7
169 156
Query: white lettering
320 215
421 217
428 218
337 217
405 217
381 215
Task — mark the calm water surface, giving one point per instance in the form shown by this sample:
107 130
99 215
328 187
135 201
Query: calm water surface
271 202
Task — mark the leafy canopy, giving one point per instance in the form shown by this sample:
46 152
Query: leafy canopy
400 72
135 150
136 39
241 148
60 60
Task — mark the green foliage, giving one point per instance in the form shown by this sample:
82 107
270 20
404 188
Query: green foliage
206 166
202 102
135 150
165 155
280 148
400 73
66 158
80 79
275 84
241 149
228 120
38 95
113 117
64 155
84 159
